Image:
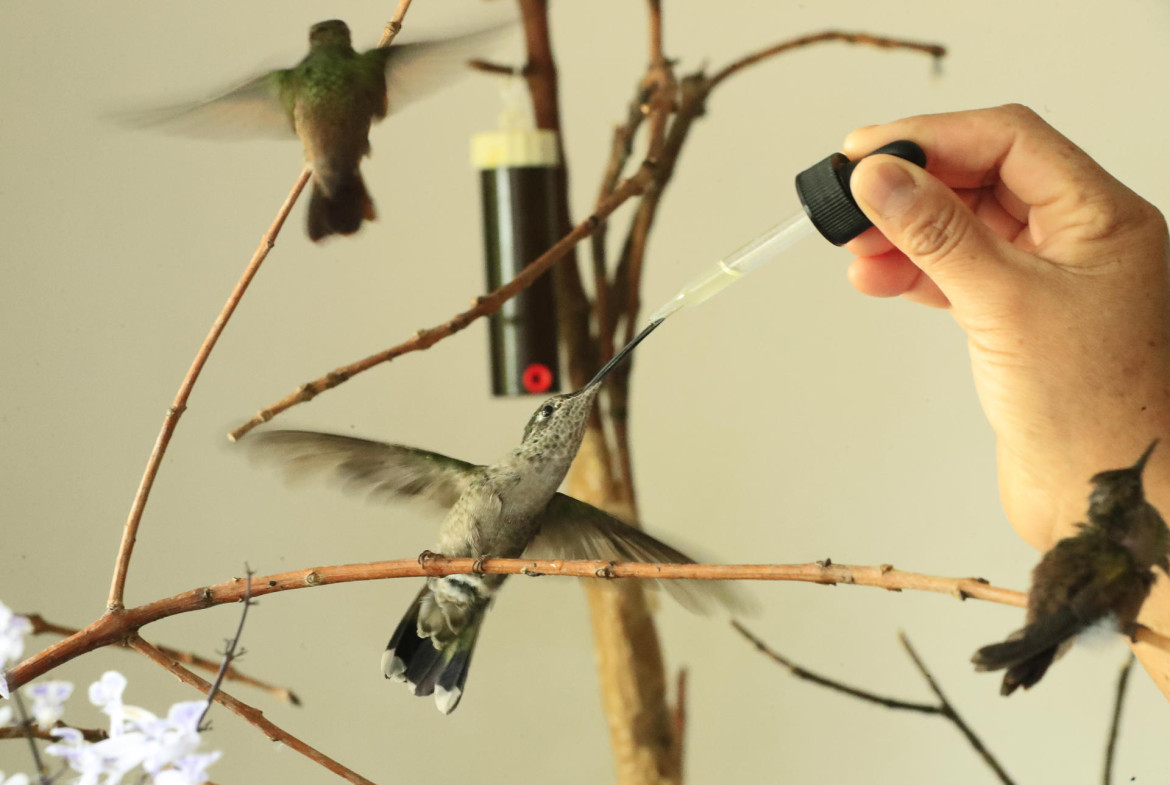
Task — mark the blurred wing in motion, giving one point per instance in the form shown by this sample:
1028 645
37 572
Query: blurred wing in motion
572 529
257 108
383 471
414 71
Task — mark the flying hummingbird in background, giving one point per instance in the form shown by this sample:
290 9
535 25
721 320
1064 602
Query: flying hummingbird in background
328 101
1104 570
506 510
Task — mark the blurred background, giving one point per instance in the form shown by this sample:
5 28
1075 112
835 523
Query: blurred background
789 420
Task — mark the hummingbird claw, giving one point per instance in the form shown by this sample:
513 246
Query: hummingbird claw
1132 630
477 565
426 557
606 571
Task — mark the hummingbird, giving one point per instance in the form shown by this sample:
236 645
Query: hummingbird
329 100
1104 570
508 509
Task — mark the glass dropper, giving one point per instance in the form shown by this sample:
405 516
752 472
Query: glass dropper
829 208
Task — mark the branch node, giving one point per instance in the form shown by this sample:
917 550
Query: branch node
531 573
312 578
206 597
885 568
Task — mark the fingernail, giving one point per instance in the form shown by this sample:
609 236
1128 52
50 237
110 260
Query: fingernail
884 186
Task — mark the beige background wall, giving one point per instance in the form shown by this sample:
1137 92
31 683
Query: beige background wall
789 420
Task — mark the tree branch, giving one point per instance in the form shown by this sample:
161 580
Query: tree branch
934 50
484 305
32 731
1115 724
40 626
943 708
116 628
951 714
130 533
252 715
115 601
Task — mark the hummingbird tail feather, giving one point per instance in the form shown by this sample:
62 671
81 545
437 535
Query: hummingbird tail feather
433 663
341 209
1028 652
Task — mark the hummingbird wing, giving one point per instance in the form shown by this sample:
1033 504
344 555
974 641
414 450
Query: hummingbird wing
572 529
260 107
416 70
383 471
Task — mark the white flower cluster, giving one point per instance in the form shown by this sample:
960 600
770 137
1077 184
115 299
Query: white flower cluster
165 748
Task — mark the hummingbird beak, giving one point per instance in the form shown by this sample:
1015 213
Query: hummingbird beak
1141 462
617 358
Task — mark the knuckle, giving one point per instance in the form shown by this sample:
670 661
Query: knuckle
937 234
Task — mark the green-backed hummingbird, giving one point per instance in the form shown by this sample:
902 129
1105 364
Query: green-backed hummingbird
1102 572
508 509
328 100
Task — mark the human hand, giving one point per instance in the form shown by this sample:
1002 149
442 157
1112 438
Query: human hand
1060 276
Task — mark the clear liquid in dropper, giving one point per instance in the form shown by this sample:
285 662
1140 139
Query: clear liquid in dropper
727 271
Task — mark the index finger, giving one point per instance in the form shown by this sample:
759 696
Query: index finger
982 147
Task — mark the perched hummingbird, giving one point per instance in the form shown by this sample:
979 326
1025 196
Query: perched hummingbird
504 510
329 100
1105 569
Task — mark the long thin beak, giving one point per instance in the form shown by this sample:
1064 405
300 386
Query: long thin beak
1141 462
617 358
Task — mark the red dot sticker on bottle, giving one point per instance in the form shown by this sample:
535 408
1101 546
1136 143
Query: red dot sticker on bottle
537 378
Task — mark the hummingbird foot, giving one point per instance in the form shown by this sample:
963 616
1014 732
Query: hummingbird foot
606 571
1132 629
477 565
426 557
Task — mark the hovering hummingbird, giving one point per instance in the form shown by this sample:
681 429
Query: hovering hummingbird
506 510
1105 569
329 100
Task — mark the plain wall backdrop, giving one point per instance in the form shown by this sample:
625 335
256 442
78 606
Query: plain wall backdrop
790 419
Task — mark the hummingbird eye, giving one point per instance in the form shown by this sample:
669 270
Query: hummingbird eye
547 410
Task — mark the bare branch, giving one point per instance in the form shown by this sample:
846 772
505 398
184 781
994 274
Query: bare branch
488 67
836 686
1115 725
115 601
229 651
26 725
118 586
32 731
934 50
951 714
248 713
40 626
114 628
484 305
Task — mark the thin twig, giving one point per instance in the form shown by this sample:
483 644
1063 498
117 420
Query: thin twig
248 713
824 681
32 731
943 709
484 305
115 602
130 532
394 26
488 67
934 50
951 714
112 628
40 625
229 651
1115 725
26 724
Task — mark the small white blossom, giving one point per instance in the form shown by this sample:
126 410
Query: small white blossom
165 748
48 701
22 779
5 715
13 628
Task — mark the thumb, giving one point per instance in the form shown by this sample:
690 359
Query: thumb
928 222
